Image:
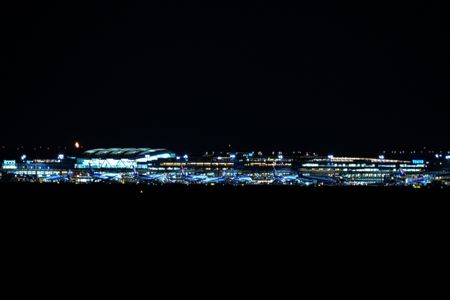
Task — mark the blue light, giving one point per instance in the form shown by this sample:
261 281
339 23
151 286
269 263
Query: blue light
418 161
232 156
381 156
447 157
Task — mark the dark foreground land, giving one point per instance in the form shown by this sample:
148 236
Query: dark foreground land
178 213
226 228
109 192
225 203
272 201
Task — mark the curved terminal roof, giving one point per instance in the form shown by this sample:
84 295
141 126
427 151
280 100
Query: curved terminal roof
124 153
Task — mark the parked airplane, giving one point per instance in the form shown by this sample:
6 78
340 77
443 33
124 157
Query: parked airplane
160 178
319 179
280 179
104 176
192 178
307 179
421 180
222 178
58 178
401 177
240 179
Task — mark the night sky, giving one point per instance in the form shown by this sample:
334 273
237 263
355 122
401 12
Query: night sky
326 76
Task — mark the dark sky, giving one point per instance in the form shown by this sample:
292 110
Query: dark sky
326 76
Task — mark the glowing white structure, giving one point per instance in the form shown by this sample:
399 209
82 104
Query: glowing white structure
120 158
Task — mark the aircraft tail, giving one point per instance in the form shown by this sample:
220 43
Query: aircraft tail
183 173
91 171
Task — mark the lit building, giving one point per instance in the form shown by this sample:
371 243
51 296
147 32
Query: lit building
261 168
39 167
361 170
121 158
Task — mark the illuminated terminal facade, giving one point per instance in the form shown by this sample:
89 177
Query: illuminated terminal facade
261 168
352 170
121 158
356 170
39 167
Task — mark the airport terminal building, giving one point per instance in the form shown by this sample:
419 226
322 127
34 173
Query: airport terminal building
39 167
361 171
262 168
121 158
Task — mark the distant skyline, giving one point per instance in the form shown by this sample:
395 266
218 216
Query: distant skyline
327 77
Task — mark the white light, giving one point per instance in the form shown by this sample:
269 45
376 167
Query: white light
61 156
232 156
77 145
447 157
178 158
185 156
280 156
330 156
23 157
436 155
381 156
